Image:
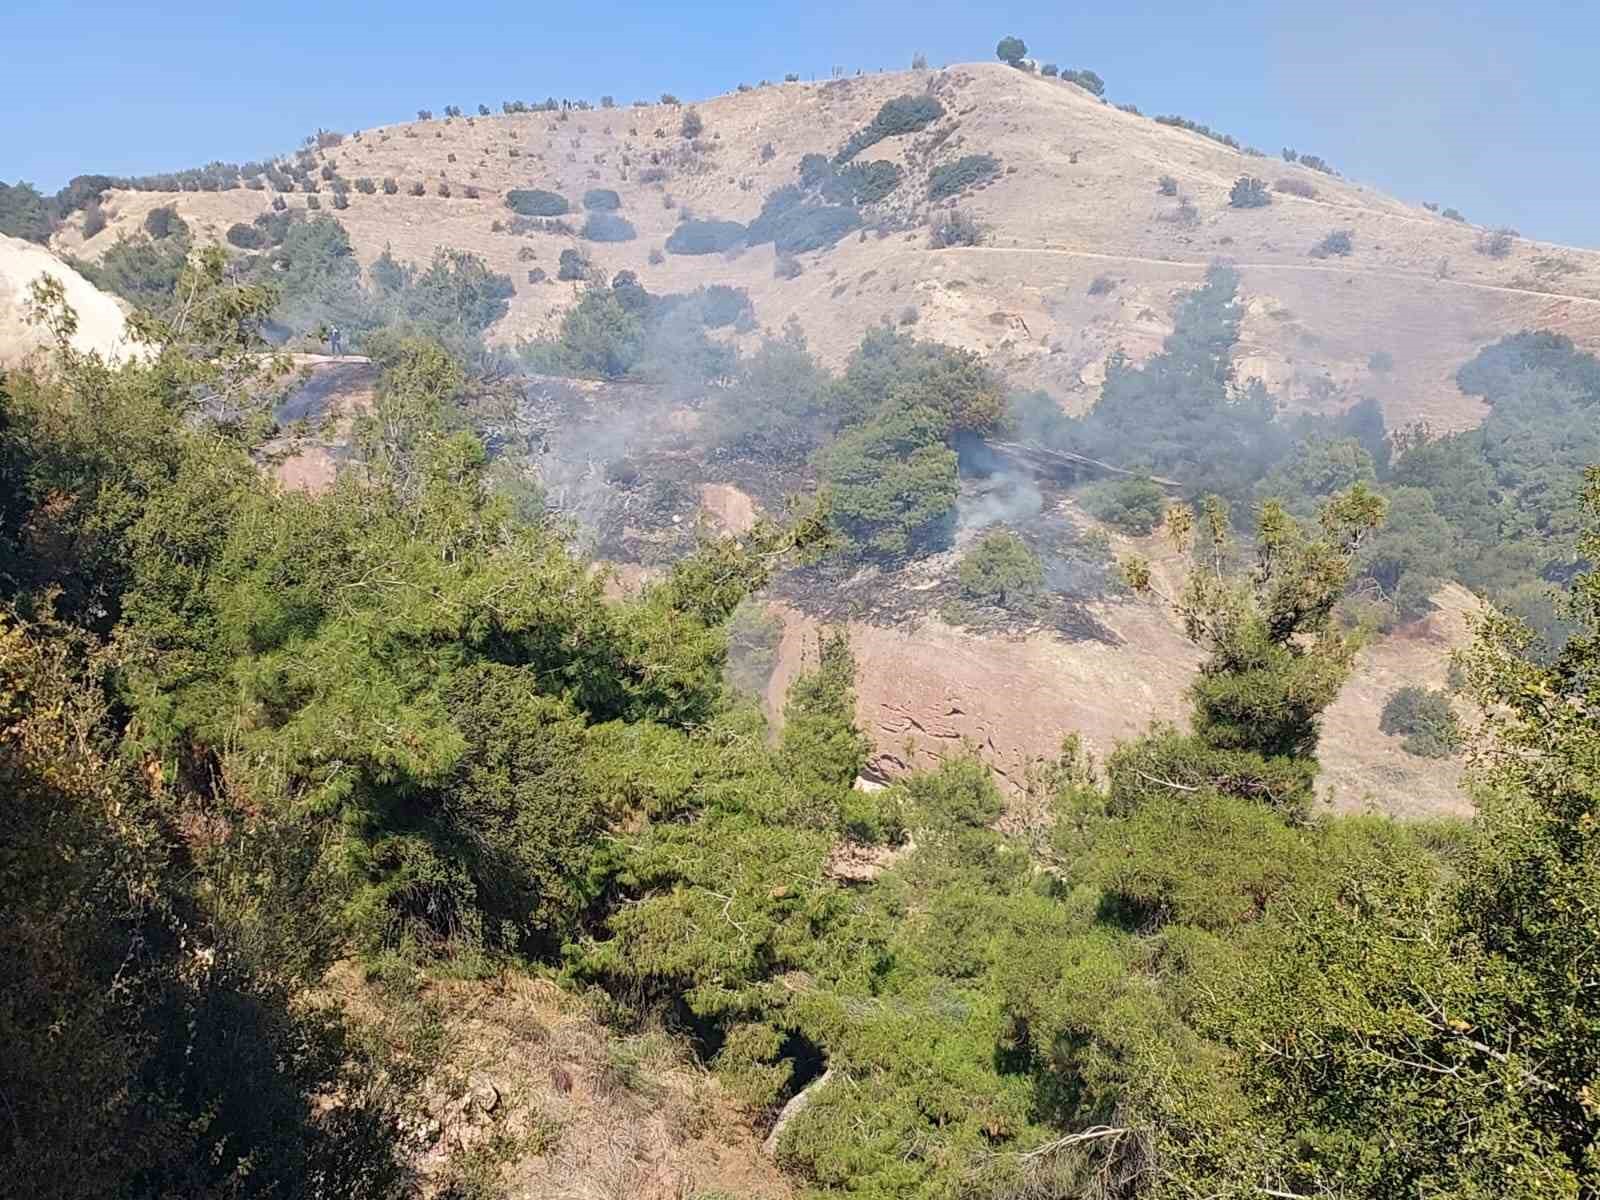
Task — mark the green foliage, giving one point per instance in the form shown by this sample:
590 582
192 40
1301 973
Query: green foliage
692 126
165 222
572 265
1011 51
143 272
24 213
705 237
1249 192
1000 569
970 170
1133 506
1205 131
537 203
246 237
607 227
893 484
1337 244
821 747
1087 80
1425 719
899 116
601 200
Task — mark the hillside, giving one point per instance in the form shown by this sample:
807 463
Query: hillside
1076 202
100 317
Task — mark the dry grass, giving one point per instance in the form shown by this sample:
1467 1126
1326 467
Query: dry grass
532 1096
1077 204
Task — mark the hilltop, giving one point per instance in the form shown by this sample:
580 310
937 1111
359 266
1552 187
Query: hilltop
1081 253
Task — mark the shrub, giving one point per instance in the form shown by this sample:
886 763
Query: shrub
786 267
1133 506
1314 163
245 237
608 101
947 180
656 257
1496 243
1167 186
1426 721
864 183
1205 131
471 192
794 228
1295 187
908 315
1011 51
919 61
536 275
94 218
721 305
1000 569
483 110
1452 214
341 200
160 222
314 203
607 227
279 204
390 187
669 98
424 114
901 115
365 186
1050 70
444 189
1087 80
954 227
652 175
768 152
1102 285
1290 156
536 202
1337 244
419 188
1249 192
1380 361
705 237
692 126
601 200
572 265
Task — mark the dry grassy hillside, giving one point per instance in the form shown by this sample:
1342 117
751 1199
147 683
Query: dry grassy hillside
101 324
1077 200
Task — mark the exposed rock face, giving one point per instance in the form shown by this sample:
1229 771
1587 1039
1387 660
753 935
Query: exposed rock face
925 692
102 327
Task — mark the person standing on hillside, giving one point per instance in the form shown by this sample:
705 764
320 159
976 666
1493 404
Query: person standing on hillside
333 340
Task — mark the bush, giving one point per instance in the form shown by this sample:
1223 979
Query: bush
1205 131
1132 506
365 186
947 180
390 187
806 227
656 257
444 189
536 275
1102 285
1050 70
245 237
1011 51
1380 361
1295 187
1314 163
1000 569
608 101
601 200
1496 243
314 203
1249 192
607 227
164 221
669 99
1452 214
705 237
1167 186
768 152
419 188
1337 244
955 227
572 265
341 200
901 115
786 267
1426 721
692 126
1087 80
536 202
94 218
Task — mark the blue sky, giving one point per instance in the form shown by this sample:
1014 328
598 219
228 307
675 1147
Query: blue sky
1492 108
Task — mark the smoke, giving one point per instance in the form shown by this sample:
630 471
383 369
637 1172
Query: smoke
1003 498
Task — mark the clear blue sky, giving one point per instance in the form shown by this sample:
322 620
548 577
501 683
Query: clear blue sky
1491 107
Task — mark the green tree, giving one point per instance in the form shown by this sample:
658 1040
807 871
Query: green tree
1000 569
1011 51
893 484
